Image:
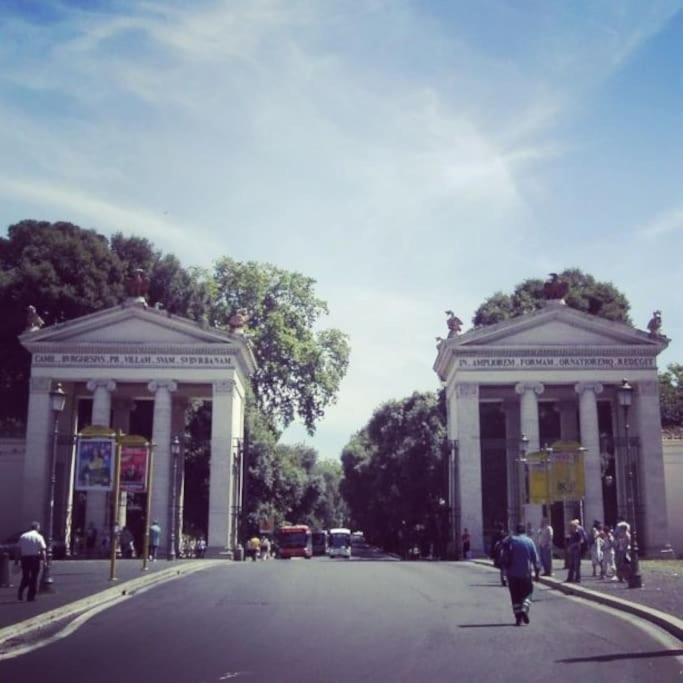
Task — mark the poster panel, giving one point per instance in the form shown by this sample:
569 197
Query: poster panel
95 464
567 475
134 468
539 478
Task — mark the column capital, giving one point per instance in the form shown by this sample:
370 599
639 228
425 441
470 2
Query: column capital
524 387
467 390
108 384
40 385
158 384
223 386
582 387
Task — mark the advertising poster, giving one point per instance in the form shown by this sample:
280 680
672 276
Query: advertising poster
133 469
539 478
95 464
567 475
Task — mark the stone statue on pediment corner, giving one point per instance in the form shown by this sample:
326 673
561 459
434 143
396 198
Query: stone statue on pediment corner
655 324
33 321
454 324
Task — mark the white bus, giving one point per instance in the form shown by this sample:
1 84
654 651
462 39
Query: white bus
339 544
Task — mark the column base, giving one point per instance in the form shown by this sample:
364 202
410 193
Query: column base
218 553
665 552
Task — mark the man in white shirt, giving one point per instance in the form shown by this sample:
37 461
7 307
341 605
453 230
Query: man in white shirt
32 550
545 546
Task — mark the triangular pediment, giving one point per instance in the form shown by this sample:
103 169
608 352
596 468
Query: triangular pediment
128 325
548 330
135 327
558 325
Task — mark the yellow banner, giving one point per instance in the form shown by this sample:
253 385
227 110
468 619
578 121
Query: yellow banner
557 475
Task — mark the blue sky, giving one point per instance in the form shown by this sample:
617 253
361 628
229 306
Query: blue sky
412 157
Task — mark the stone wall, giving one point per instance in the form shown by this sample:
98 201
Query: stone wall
12 451
673 476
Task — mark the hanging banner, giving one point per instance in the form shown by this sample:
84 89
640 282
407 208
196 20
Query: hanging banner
95 464
567 481
133 468
538 472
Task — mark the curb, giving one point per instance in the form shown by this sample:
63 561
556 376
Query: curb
125 588
668 622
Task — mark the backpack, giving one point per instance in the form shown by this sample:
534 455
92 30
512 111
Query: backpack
506 553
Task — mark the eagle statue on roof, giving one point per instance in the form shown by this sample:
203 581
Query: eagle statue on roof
655 324
555 289
454 324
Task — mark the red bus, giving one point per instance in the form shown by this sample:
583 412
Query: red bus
294 541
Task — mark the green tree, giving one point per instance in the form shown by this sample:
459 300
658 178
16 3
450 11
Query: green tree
284 483
178 290
393 472
62 270
671 395
300 367
585 294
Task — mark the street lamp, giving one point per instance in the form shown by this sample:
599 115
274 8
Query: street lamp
175 452
521 479
57 403
625 398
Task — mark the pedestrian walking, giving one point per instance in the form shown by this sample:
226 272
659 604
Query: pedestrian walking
154 540
575 542
465 538
496 550
200 547
607 570
622 550
521 563
254 547
265 548
545 546
597 548
32 551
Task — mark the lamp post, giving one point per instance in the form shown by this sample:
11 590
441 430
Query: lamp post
57 402
547 461
521 479
625 397
175 452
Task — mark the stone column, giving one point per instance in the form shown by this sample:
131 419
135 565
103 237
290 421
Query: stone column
220 485
469 485
121 420
512 429
161 438
37 459
651 495
453 500
593 507
528 422
178 429
96 509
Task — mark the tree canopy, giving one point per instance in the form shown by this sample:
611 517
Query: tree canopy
300 367
66 272
671 395
287 483
585 294
394 474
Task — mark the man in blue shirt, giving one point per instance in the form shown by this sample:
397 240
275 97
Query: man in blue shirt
520 559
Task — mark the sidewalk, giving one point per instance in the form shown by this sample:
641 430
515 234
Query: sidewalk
73 580
662 584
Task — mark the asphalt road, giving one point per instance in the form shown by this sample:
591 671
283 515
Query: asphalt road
340 620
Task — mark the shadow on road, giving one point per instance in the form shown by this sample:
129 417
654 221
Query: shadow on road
621 655
485 625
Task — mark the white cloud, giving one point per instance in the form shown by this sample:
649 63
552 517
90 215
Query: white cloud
663 224
104 214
